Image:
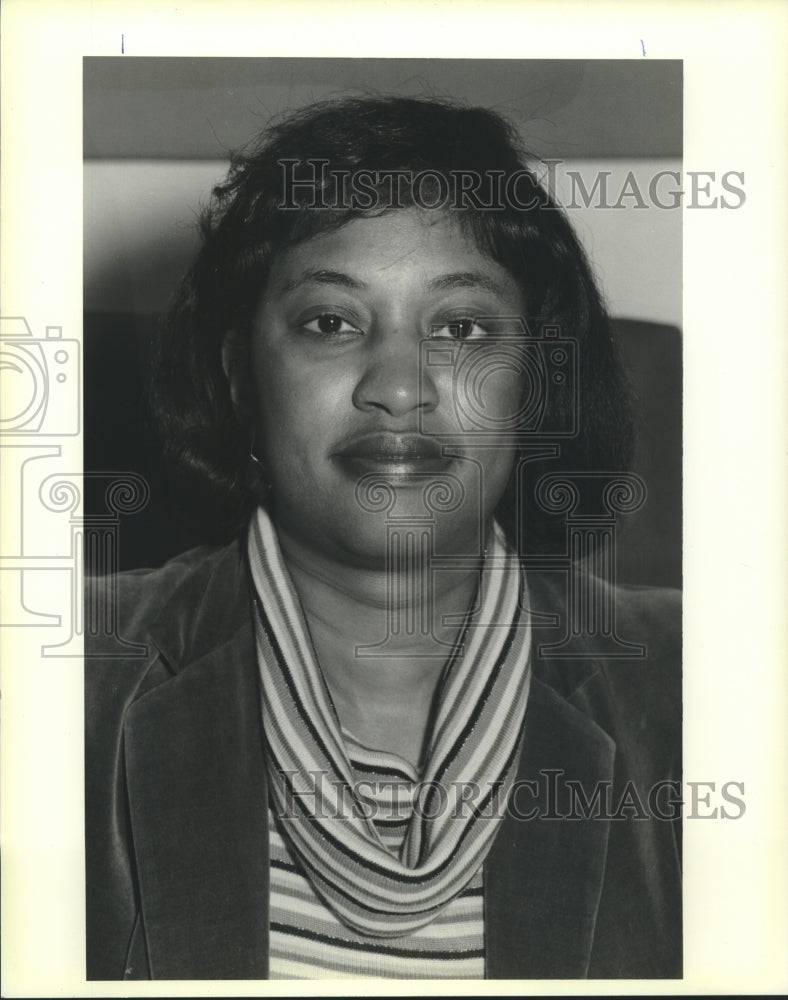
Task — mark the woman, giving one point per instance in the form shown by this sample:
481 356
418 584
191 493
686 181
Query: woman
370 737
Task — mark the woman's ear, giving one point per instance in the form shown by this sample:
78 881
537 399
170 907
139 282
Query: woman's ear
236 363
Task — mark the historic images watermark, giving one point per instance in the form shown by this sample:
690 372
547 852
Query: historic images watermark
313 184
550 796
41 410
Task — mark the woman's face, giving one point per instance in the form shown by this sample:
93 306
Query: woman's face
367 367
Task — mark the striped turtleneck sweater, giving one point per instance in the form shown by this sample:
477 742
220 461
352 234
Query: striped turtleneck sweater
377 872
307 941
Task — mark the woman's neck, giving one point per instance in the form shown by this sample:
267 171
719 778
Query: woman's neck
381 640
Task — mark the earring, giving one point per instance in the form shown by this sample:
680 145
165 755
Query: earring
256 472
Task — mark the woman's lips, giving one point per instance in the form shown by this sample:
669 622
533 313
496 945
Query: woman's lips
391 454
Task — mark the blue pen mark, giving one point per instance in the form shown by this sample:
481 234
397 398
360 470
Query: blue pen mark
122 49
642 46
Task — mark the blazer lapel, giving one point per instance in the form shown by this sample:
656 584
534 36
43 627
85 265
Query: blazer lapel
197 790
543 876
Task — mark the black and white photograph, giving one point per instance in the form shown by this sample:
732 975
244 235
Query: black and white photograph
405 721
377 454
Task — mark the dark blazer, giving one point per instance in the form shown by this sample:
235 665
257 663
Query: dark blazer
176 803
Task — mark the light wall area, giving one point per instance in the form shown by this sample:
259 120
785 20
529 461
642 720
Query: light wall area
139 232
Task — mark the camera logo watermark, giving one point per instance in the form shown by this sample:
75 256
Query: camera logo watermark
546 367
40 412
41 381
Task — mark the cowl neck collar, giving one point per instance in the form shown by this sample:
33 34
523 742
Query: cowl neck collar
468 770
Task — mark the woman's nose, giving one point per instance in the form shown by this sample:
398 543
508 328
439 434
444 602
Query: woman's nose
396 380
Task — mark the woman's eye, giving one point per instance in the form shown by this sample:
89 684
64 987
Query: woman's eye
329 325
464 328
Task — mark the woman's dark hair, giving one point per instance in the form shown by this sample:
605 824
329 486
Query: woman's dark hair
297 181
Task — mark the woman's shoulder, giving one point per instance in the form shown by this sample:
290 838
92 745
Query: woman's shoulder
135 619
654 613
147 579
592 633
134 599
597 607
613 653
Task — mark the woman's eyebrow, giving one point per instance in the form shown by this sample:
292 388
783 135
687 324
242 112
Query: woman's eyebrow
321 276
456 279
466 279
